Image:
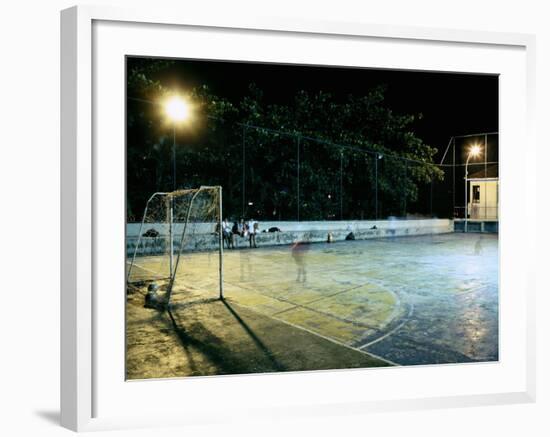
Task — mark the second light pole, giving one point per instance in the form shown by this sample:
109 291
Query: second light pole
474 151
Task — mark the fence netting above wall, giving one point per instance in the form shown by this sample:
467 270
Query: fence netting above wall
273 175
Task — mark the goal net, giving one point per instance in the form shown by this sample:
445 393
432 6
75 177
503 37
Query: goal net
177 247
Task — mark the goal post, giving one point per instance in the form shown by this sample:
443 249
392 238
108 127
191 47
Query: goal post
173 244
204 199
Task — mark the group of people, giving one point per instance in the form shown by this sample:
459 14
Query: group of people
244 229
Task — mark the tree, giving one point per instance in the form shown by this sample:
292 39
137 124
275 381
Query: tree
337 144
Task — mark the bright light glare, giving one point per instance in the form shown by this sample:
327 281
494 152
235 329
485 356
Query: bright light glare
475 150
177 109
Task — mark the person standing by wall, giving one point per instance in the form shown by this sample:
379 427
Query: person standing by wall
252 229
228 235
235 231
299 252
241 227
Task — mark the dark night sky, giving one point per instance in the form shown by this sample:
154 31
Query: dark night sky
452 104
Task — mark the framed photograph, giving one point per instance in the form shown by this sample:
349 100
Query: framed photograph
273 218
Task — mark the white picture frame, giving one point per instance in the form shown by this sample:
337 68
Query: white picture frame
91 392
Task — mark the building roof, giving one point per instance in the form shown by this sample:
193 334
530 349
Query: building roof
492 172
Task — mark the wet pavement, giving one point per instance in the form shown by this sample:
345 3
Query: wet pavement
408 300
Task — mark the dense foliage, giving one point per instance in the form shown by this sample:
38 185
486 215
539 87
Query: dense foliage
345 148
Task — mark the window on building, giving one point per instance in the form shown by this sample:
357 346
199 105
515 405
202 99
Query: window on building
477 193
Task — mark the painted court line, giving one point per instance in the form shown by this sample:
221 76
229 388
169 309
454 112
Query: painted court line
332 340
304 306
393 331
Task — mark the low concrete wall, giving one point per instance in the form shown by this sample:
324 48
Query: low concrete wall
291 231
477 226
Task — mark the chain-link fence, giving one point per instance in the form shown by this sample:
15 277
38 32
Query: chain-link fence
471 183
273 175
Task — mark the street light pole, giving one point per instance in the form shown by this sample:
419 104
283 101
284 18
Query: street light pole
177 110
174 159
466 195
474 151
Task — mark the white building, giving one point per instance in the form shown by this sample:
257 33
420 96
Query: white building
483 194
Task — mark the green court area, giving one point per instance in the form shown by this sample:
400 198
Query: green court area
410 300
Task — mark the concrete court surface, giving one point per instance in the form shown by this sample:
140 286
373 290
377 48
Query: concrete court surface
406 300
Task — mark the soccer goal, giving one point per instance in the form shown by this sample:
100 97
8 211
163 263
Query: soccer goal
178 247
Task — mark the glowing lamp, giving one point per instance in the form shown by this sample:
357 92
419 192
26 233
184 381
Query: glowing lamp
475 150
177 109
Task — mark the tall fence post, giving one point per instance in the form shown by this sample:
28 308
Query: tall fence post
454 177
405 190
466 197
244 171
220 240
485 188
341 184
171 232
376 186
298 178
